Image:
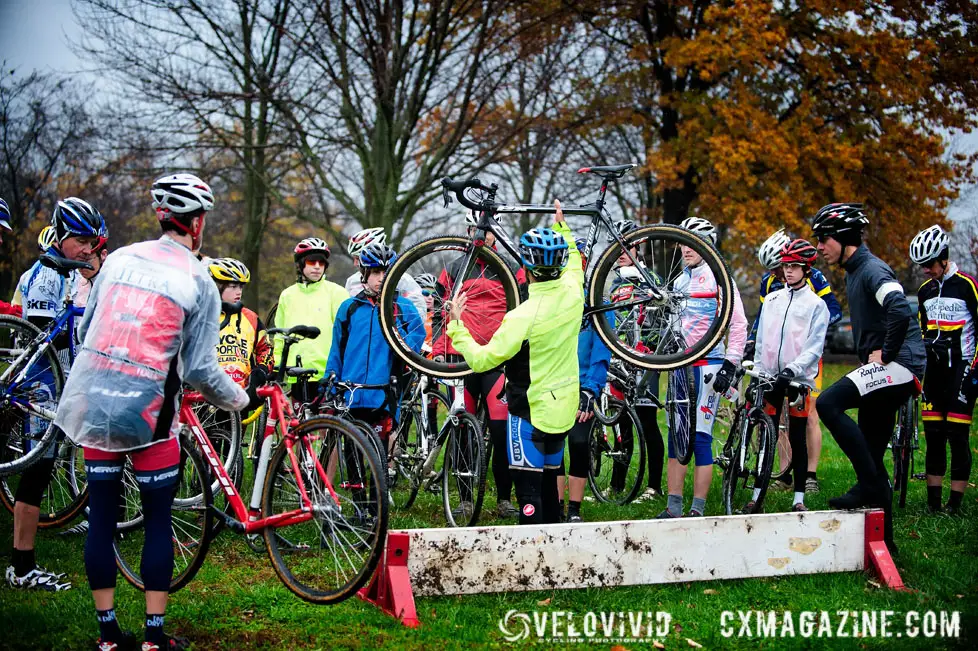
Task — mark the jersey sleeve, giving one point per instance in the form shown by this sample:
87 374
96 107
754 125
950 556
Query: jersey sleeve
814 343
885 289
971 301
263 355
737 334
505 343
410 325
824 291
334 363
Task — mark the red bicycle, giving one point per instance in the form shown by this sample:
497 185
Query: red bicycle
319 498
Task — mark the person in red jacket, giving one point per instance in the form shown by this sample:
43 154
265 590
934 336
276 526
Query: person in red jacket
487 298
6 308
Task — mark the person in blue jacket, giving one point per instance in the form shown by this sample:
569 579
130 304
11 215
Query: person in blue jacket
359 353
593 358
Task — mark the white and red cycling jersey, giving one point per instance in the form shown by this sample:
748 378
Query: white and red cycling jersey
700 313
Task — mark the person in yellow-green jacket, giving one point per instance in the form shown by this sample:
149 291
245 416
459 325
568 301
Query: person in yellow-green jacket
538 342
312 301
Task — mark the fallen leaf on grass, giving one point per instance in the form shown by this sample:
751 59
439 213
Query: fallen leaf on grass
959 596
545 602
874 584
694 644
914 535
677 628
658 645
925 555
618 648
709 591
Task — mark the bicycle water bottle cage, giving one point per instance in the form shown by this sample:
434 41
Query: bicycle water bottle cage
608 171
63 266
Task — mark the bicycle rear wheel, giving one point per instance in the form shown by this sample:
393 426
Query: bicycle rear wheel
681 401
66 494
25 437
464 470
616 455
191 513
646 328
328 558
748 470
903 452
489 300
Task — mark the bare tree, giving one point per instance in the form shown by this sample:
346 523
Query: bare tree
207 77
44 130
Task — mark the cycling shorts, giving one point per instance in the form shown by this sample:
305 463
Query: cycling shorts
530 449
156 466
943 398
489 387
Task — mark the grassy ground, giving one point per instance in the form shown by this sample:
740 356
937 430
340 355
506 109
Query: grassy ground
237 602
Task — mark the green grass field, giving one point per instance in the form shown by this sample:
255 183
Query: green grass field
236 602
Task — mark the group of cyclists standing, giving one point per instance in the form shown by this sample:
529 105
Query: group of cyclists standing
158 316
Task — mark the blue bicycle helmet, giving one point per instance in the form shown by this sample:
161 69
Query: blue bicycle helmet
74 217
5 215
376 255
543 251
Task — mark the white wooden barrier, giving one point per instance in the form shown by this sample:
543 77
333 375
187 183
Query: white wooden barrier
606 554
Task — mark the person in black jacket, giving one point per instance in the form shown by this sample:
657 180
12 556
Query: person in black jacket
889 345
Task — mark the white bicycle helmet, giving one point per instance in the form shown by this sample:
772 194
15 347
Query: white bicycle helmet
365 237
769 254
700 227
181 194
928 245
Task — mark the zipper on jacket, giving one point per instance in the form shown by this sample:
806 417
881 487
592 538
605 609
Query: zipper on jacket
791 297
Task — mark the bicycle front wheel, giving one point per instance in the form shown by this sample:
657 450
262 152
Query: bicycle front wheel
903 452
24 436
191 515
645 329
681 401
327 558
490 284
748 472
464 476
616 455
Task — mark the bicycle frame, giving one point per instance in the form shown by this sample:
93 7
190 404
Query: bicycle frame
281 418
595 210
64 320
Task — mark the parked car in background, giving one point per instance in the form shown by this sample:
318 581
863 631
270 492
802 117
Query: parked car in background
839 340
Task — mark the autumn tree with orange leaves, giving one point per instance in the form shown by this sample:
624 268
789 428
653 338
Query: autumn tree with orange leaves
754 114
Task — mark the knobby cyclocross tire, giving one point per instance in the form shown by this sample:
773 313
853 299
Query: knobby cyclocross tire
436 253
360 518
671 236
611 456
464 469
66 495
15 335
903 452
192 515
681 401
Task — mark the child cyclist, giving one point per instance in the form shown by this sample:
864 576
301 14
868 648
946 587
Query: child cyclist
593 358
542 383
769 255
359 353
243 350
721 362
406 285
790 338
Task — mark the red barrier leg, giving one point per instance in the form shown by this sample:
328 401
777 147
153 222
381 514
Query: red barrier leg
390 587
878 555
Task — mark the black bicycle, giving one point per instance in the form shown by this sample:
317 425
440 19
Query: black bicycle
904 445
655 251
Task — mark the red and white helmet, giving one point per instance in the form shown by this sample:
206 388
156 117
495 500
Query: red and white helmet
364 238
179 194
311 246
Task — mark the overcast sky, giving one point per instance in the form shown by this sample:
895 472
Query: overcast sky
34 34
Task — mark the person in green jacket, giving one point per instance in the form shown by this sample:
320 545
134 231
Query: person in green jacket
312 301
537 341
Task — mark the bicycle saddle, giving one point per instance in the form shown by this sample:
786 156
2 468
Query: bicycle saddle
300 372
63 266
616 171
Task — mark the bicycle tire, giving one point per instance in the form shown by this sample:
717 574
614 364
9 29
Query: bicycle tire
16 332
194 498
751 461
464 460
349 518
784 442
66 495
412 473
605 459
668 238
681 399
903 453
433 253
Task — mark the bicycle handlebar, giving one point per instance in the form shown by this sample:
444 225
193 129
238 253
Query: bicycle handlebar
750 372
459 187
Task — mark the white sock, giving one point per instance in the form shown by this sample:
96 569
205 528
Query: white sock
757 493
800 497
